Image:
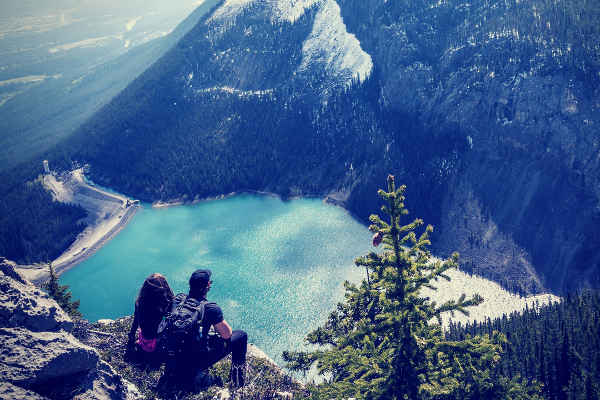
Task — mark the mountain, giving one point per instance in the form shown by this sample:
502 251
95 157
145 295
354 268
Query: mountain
488 111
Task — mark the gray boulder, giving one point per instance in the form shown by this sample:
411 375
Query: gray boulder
104 383
31 359
39 358
24 305
8 269
8 391
56 365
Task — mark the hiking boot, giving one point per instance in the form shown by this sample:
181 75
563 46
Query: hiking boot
237 375
204 380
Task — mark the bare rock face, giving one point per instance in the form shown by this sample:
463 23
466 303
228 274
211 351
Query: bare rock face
103 383
30 359
8 269
24 305
519 191
39 357
8 391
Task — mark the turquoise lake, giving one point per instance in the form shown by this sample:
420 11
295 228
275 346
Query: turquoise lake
278 266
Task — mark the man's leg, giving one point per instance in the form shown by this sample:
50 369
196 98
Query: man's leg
202 379
239 346
220 348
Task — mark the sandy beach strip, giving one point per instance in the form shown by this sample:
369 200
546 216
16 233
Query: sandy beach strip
108 214
94 240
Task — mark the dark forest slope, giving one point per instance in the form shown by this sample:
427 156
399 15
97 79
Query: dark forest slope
557 345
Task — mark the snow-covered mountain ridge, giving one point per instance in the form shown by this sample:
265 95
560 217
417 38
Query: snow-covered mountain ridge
329 48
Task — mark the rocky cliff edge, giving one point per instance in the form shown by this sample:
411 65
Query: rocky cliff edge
46 355
39 356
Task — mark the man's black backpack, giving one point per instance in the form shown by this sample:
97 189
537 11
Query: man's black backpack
178 332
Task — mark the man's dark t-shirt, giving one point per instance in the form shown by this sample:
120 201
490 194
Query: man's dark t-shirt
212 315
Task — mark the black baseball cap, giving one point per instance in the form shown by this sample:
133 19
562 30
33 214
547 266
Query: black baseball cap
200 278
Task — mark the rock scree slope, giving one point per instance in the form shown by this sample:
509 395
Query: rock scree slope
39 357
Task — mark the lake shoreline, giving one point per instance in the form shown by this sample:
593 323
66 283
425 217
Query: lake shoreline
330 198
74 255
108 214
101 231
80 257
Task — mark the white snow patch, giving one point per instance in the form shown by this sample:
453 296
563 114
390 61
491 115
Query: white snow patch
497 301
241 93
5 97
330 44
290 10
154 35
230 9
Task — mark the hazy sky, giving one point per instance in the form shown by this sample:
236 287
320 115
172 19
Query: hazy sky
49 37
24 8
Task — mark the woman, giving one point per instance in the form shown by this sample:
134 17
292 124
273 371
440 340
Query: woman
153 302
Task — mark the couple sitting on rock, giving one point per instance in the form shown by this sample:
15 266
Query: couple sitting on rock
177 330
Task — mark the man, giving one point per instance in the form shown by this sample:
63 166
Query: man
208 349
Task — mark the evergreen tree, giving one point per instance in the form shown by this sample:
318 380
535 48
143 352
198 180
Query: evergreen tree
385 341
61 294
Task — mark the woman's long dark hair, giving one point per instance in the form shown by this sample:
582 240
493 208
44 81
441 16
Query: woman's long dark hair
153 302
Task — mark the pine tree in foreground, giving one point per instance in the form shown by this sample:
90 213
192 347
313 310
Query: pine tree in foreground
385 341
61 294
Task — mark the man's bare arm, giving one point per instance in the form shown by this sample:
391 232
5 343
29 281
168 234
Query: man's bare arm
223 329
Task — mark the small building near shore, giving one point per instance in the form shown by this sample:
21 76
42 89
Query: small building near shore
131 203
